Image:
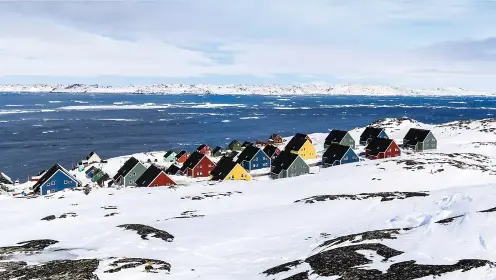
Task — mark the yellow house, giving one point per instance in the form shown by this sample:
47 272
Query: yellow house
226 169
302 147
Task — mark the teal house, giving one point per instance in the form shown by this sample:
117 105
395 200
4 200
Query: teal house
170 156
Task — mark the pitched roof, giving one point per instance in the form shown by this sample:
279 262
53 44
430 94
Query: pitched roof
181 153
270 150
148 176
247 154
283 161
378 145
192 161
5 179
234 142
89 170
49 174
335 136
168 153
201 147
274 136
172 170
416 135
128 165
370 132
222 169
247 143
90 155
232 154
217 149
335 152
295 144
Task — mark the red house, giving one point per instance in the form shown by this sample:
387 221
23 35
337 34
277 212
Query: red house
182 156
154 177
276 139
382 148
204 149
197 165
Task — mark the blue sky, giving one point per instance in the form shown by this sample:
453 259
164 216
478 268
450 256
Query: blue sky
421 43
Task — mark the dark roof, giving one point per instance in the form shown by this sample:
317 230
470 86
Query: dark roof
89 170
378 145
335 152
168 153
283 161
235 142
270 150
172 170
247 154
217 149
192 161
274 136
128 165
335 136
49 174
180 154
301 135
416 135
295 144
223 167
370 132
42 172
90 155
201 147
148 176
233 154
247 143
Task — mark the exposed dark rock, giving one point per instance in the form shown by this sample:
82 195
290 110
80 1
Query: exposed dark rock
111 214
109 207
366 236
488 210
28 247
153 266
187 215
54 270
211 195
63 216
49 218
144 231
299 276
385 196
282 268
449 220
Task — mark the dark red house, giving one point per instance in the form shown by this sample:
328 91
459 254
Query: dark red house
154 177
204 149
382 148
197 165
182 156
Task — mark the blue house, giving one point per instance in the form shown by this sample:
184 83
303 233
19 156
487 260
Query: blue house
54 180
253 158
91 172
371 133
337 154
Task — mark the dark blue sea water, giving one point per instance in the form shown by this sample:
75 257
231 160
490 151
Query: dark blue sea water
38 130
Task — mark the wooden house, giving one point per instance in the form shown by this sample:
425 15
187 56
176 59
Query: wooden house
204 149
302 147
197 165
276 139
420 140
173 170
4 179
370 133
93 158
253 158
218 151
227 169
235 145
130 172
288 164
154 177
182 156
337 154
272 151
55 179
382 148
170 156
341 137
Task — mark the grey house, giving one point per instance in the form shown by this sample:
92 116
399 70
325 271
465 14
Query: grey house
288 165
420 140
129 173
339 137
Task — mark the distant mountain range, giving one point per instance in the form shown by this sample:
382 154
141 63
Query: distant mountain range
348 89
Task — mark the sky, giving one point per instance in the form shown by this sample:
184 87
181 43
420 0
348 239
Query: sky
413 43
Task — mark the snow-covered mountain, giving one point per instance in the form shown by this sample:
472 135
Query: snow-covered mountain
347 89
420 216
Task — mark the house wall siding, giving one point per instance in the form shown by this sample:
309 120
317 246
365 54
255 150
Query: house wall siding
58 182
348 141
162 180
133 175
202 169
350 157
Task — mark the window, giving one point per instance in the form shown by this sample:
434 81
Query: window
345 158
200 166
155 185
397 149
130 181
134 173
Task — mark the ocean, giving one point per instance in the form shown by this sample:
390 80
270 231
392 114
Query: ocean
39 130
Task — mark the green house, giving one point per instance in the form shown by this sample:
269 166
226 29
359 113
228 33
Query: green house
340 137
235 145
420 140
170 156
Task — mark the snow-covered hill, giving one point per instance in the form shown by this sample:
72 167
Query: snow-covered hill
413 217
347 89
